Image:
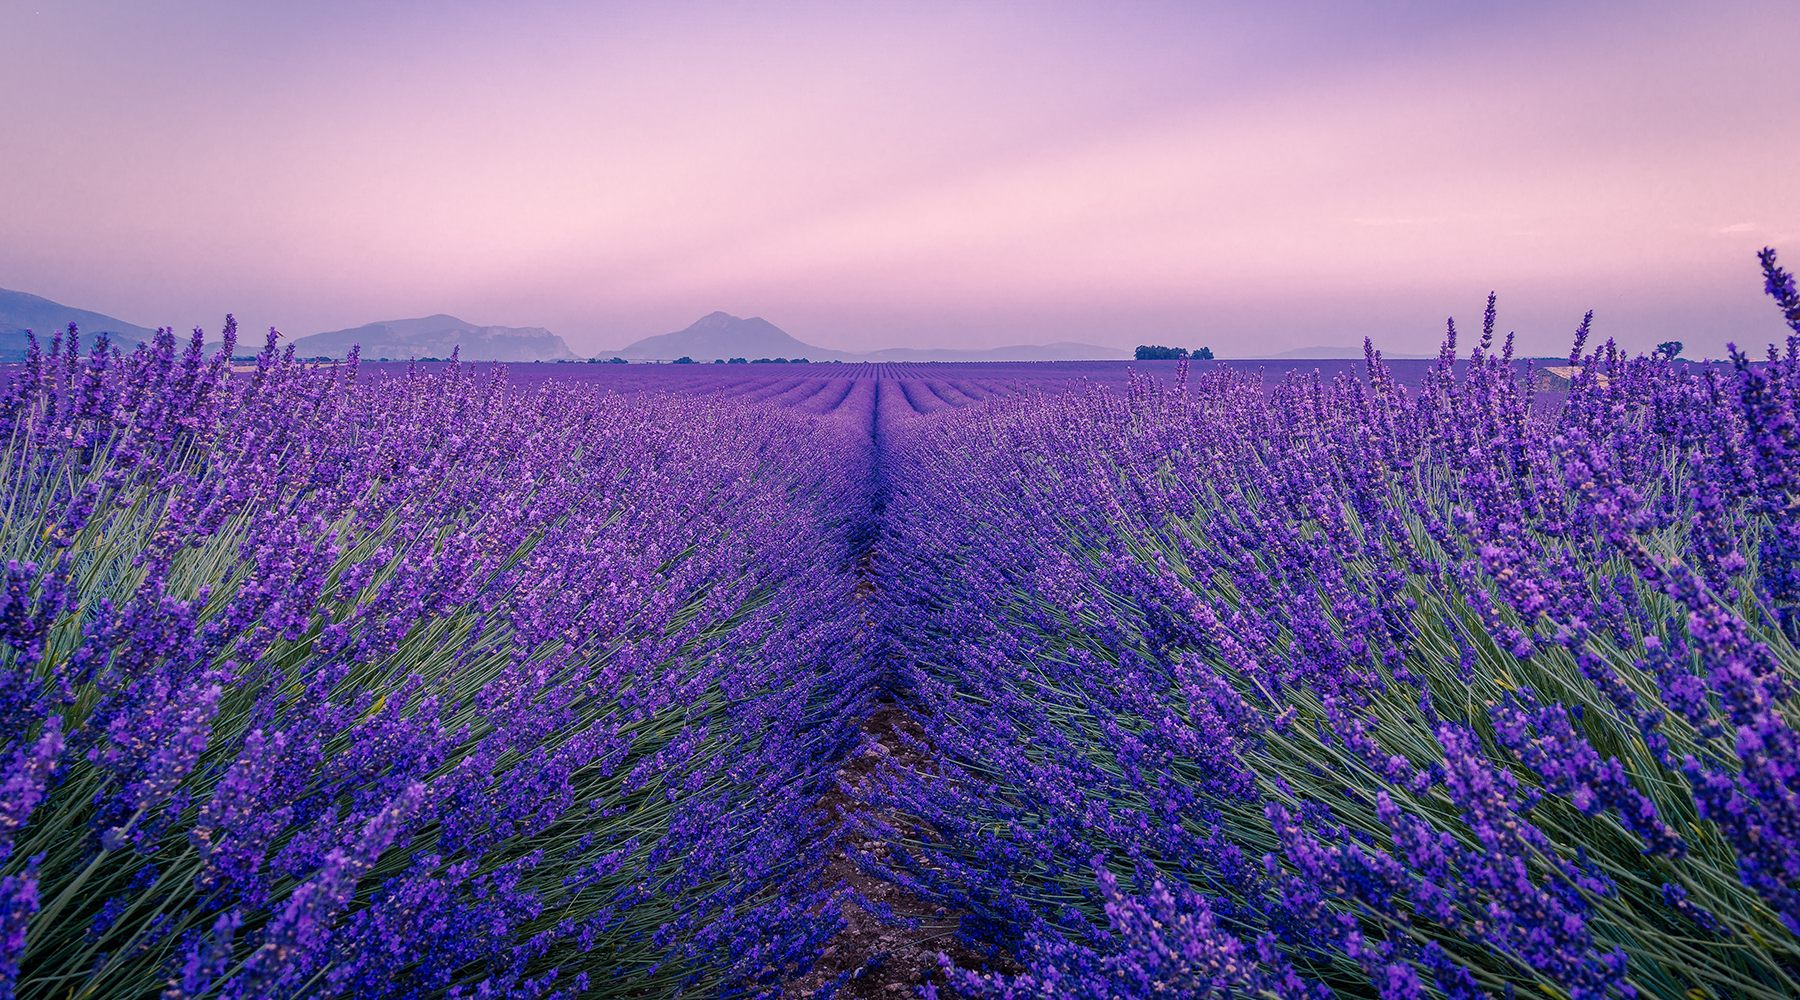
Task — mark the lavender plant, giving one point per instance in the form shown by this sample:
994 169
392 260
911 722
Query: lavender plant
316 681
1353 687
314 684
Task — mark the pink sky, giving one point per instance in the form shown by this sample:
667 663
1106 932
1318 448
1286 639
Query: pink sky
1254 177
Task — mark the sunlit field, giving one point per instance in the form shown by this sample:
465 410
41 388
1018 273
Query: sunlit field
1364 679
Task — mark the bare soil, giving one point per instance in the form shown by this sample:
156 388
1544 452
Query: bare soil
884 960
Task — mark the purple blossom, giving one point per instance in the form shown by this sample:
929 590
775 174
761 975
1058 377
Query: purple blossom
18 904
455 683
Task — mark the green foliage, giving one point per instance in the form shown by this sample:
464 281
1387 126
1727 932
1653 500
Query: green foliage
1158 353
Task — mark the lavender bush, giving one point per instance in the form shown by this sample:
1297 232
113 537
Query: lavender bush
1353 688
423 686
317 681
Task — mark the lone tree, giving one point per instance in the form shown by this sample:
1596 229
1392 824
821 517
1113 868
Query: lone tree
1669 350
1203 354
1161 353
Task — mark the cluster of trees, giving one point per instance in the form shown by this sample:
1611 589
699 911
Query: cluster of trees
1159 353
741 361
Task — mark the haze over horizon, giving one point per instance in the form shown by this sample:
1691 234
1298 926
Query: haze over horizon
1248 177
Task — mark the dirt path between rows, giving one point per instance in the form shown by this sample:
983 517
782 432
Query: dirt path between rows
872 958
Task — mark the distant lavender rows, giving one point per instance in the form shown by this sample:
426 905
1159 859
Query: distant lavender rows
939 385
932 387
707 377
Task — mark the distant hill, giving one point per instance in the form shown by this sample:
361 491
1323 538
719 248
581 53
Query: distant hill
435 337
21 311
721 335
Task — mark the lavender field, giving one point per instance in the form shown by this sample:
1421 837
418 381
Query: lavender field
1398 680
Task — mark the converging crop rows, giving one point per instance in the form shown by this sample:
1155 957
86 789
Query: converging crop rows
317 681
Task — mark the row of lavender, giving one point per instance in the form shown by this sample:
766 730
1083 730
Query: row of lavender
422 686
1359 689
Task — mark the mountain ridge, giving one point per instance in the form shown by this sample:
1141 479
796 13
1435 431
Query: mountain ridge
21 311
436 336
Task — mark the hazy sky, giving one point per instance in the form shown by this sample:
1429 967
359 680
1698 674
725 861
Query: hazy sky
1252 176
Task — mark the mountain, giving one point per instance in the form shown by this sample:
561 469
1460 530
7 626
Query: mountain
721 335
21 311
435 337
